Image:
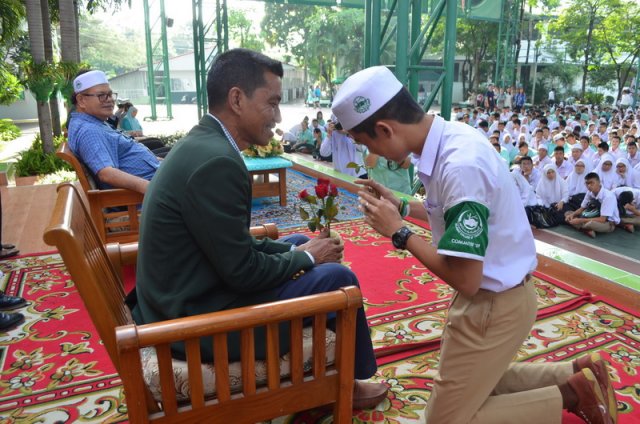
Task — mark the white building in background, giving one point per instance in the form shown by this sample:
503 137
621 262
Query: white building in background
133 85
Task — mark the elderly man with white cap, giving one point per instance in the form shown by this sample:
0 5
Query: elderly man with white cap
481 246
113 158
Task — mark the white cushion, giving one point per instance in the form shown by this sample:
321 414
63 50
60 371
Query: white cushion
181 374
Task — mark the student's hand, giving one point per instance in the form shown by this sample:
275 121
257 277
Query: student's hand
377 190
559 205
381 214
630 207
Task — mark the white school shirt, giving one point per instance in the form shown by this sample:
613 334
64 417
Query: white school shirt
457 166
608 204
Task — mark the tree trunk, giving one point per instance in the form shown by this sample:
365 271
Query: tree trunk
587 50
76 28
36 41
48 56
68 29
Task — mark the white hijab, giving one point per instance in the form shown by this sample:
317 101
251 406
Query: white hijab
575 182
551 190
631 177
609 179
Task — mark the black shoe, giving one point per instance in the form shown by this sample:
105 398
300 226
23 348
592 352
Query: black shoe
8 253
9 303
9 321
8 246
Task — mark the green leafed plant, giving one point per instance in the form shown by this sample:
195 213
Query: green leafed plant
35 162
8 131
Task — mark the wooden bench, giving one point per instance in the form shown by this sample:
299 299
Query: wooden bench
95 270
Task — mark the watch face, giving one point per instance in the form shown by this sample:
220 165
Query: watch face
400 237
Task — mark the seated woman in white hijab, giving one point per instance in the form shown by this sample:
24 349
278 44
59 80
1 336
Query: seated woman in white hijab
627 176
552 191
576 184
608 177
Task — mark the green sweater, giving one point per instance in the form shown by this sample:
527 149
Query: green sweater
196 254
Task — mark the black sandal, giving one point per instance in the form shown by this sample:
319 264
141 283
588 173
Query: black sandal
8 246
8 253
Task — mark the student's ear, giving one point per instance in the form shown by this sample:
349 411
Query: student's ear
383 129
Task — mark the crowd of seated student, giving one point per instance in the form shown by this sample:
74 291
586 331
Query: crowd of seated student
556 151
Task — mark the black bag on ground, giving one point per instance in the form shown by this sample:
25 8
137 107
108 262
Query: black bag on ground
543 217
575 201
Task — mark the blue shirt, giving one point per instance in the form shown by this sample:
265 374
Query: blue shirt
99 146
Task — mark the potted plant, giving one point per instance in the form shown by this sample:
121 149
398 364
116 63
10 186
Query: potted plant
34 162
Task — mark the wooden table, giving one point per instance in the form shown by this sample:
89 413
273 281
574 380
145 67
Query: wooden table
269 177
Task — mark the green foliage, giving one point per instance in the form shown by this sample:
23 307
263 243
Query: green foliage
35 162
8 131
112 52
240 31
328 41
40 79
12 12
170 139
10 87
593 98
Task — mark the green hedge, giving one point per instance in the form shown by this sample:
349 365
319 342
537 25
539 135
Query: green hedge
8 130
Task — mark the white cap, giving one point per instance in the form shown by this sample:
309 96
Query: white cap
543 146
558 137
88 80
363 94
576 147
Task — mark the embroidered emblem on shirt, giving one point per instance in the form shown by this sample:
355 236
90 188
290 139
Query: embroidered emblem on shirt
469 225
361 104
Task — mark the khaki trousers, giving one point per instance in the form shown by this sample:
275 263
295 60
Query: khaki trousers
598 227
635 220
477 382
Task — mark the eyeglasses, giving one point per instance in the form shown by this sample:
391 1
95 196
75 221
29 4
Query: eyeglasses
103 96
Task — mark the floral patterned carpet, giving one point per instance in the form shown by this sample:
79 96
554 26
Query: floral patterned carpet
267 209
55 369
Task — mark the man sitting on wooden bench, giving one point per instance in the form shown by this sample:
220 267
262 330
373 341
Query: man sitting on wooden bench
196 254
114 159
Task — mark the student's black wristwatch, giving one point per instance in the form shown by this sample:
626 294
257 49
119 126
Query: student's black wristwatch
400 238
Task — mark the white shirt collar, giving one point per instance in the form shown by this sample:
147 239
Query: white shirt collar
226 133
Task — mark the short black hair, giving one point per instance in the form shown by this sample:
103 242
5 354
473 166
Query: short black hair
559 149
632 143
604 146
523 144
483 124
402 108
592 176
242 68
526 158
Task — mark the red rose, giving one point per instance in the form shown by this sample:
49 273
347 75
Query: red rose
323 181
333 190
322 190
303 194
